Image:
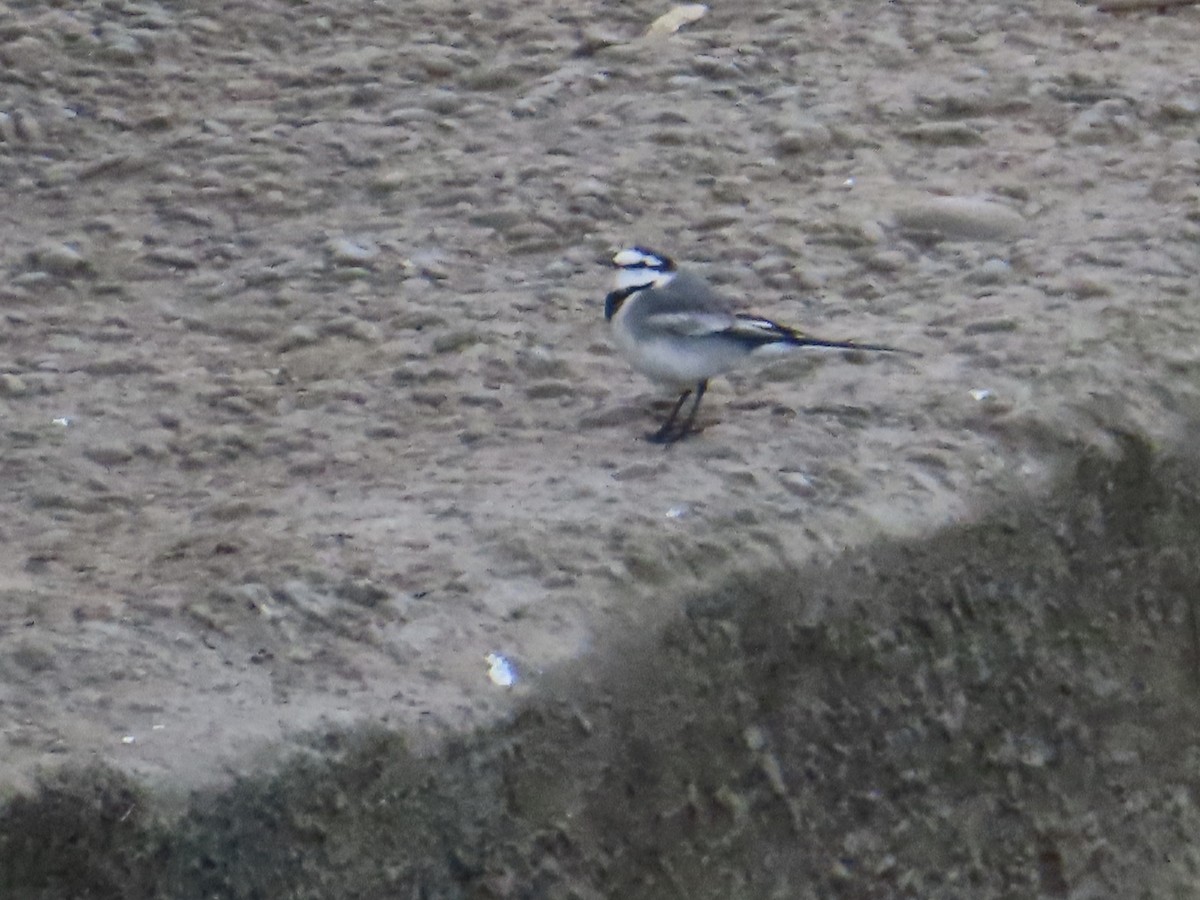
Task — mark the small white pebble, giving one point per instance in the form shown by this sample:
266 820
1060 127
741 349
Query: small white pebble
981 394
500 670
350 253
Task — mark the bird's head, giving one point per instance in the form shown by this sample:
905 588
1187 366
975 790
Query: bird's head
638 267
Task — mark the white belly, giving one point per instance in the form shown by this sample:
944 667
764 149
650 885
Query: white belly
677 360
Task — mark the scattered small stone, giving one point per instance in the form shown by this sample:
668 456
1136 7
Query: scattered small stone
455 341
26 54
992 404
60 259
306 464
541 362
840 873
409 374
613 416
533 237
499 219
1180 109
886 261
109 454
798 484
437 61
114 116
8 129
29 128
28 280
355 59
525 108
957 103
191 215
119 45
945 134
1083 287
492 78
1110 121
345 252
151 448
150 15
362 592
548 390
113 165
432 399
586 187
33 657
383 432
474 434
235 404
638 471
444 103
12 385
169 419
355 329
716 68
482 401
175 257
50 499
672 137
593 39
848 232
675 18
120 365
804 137
961 218
298 336
231 512
991 326
991 271
387 182
428 264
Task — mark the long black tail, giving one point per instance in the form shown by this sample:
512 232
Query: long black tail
800 339
760 332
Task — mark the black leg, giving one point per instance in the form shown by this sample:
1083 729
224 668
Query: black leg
688 422
663 435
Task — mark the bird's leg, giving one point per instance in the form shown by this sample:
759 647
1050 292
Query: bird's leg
663 435
701 387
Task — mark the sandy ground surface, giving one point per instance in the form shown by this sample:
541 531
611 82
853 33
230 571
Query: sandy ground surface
306 400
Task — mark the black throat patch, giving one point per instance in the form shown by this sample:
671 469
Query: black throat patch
612 303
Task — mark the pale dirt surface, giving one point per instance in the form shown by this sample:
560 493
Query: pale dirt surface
306 402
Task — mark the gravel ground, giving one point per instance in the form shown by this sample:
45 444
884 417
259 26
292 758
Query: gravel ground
306 400
1004 709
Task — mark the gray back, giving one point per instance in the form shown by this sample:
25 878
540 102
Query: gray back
685 293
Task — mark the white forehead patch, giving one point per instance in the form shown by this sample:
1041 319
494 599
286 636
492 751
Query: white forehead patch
636 258
641 277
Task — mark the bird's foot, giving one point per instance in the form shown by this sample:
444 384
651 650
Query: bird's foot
667 436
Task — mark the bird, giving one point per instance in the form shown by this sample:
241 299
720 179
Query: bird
673 326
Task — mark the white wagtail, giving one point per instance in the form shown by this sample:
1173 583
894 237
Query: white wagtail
675 328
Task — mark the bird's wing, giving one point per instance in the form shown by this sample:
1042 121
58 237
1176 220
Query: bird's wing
751 330
690 324
757 330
